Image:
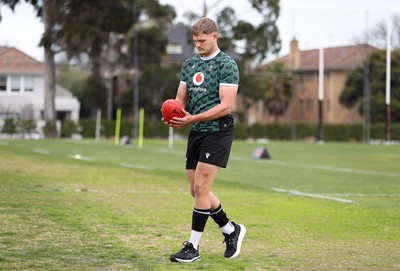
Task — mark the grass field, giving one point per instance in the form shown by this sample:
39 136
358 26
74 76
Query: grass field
85 205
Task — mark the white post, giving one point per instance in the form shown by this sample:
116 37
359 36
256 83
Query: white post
388 60
171 138
320 137
321 75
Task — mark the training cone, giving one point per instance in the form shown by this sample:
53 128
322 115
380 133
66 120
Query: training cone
261 153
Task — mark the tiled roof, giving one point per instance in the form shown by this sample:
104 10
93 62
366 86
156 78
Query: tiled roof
335 58
13 60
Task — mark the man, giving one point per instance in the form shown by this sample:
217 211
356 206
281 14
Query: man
208 87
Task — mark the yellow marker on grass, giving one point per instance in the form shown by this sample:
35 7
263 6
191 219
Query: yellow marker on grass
117 127
141 126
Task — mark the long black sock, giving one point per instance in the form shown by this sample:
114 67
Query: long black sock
219 216
199 219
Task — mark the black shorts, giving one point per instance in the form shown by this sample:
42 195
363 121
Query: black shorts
208 147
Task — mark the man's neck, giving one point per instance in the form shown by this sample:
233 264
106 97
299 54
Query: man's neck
211 55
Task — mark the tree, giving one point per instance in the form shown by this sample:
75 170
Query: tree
377 35
270 84
156 84
75 78
98 33
277 95
44 10
352 93
254 42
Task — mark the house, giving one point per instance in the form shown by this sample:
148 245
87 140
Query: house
22 89
181 47
304 65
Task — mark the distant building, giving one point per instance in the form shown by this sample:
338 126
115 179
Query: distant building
22 89
304 65
181 47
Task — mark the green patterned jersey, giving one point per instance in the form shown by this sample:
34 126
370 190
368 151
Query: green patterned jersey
203 76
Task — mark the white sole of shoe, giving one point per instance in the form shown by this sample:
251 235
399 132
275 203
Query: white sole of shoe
240 240
196 259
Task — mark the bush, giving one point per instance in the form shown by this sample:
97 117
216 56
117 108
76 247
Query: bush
26 126
68 128
10 126
303 131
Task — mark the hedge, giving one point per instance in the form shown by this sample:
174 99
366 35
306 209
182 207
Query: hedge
302 131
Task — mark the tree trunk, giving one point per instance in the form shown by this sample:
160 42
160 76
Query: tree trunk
49 78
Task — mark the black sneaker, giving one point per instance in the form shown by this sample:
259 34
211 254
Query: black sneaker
234 241
187 254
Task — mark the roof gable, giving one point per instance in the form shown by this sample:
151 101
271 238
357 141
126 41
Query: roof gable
335 58
13 60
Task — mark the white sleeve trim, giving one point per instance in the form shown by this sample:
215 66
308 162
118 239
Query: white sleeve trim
229 84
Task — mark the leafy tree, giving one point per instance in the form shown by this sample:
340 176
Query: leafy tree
156 85
277 95
95 94
352 93
43 9
98 32
271 84
255 41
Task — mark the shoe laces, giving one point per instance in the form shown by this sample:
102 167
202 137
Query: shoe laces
228 240
187 247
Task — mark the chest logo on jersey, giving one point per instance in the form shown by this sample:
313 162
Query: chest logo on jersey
198 78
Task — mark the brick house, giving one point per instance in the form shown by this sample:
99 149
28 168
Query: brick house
22 89
338 62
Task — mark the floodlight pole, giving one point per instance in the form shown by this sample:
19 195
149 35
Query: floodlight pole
320 137
136 73
366 92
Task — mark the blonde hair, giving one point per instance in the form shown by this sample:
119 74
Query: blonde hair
204 25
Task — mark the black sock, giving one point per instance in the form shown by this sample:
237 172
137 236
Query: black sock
199 219
219 216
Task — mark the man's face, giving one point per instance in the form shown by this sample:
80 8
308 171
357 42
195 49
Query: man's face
206 44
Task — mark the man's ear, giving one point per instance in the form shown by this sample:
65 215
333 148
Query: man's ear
215 36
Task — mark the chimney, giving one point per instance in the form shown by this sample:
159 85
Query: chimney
294 54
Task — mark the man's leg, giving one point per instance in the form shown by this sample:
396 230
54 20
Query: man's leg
233 233
200 181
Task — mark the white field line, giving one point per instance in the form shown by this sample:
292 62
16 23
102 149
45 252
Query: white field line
158 192
318 196
321 167
80 157
41 151
127 165
366 195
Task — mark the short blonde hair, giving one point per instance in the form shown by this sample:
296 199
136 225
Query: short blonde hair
204 25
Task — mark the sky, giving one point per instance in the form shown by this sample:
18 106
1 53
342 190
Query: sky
314 23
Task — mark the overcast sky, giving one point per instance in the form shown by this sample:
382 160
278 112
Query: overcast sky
314 23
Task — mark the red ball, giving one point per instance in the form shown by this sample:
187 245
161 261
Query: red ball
171 108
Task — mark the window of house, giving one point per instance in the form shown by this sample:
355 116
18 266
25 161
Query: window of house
309 104
3 83
174 49
301 83
15 83
28 83
301 105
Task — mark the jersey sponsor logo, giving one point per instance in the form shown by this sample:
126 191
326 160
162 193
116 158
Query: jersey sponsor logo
198 78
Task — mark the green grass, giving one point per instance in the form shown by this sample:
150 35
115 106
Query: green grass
124 208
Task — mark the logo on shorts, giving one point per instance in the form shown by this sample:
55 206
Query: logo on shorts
198 78
207 155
